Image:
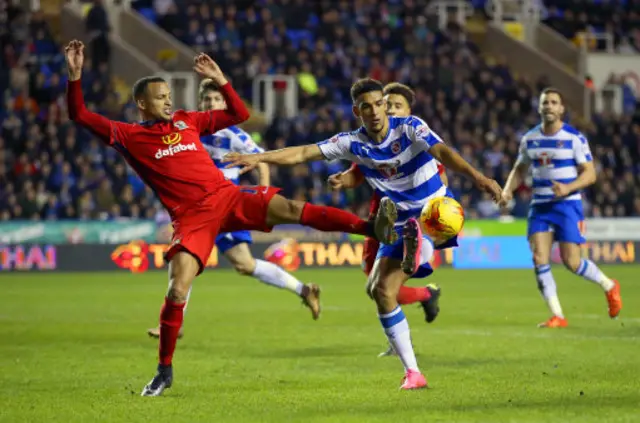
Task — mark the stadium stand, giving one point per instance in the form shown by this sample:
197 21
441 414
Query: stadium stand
51 170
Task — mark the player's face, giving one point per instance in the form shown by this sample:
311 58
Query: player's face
212 100
371 108
157 103
397 105
551 108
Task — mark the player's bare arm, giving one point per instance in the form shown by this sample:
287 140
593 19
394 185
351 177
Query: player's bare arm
206 67
264 178
235 111
350 178
516 176
286 156
586 177
452 160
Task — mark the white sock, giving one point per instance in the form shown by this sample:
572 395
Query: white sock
396 328
426 253
588 270
274 275
547 287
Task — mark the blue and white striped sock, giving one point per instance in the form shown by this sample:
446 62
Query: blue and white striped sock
396 328
588 270
548 289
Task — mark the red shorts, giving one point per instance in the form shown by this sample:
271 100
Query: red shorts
231 209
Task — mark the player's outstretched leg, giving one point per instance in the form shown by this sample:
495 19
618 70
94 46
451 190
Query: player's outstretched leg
540 244
571 258
387 277
331 219
268 273
183 268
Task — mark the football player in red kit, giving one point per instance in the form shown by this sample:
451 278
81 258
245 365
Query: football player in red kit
166 152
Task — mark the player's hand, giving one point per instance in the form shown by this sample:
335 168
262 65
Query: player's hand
246 162
506 198
335 181
560 189
491 186
74 55
205 66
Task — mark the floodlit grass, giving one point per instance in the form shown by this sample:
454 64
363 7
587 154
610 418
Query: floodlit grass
73 349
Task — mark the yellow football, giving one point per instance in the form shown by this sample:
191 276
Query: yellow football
442 218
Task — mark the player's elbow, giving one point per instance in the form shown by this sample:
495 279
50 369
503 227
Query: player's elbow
589 175
243 114
592 177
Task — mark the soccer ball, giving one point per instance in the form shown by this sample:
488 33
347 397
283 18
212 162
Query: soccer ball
442 218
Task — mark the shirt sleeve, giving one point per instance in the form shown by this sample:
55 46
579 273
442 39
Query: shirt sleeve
581 150
214 120
523 156
419 132
336 147
106 130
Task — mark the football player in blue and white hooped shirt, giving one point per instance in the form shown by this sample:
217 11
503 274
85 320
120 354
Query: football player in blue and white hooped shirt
396 156
561 166
235 245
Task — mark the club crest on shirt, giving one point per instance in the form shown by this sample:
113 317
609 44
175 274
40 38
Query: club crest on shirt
395 147
180 125
422 131
334 139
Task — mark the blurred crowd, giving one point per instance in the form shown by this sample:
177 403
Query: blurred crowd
579 20
49 169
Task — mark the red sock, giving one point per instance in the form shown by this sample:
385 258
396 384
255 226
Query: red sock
170 322
330 219
410 295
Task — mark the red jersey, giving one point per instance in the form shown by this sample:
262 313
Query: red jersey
168 155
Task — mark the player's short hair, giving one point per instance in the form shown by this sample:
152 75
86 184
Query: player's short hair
207 85
552 90
140 87
400 89
363 86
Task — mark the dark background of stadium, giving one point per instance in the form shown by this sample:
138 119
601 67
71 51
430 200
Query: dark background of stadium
49 169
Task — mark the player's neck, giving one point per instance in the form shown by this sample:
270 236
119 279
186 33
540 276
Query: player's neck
148 118
552 128
378 137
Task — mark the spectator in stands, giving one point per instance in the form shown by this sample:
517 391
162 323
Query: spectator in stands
51 170
98 28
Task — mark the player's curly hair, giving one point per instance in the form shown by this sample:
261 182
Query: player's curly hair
400 89
363 86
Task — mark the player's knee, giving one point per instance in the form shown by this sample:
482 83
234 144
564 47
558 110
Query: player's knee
381 293
178 290
292 210
539 259
245 268
571 262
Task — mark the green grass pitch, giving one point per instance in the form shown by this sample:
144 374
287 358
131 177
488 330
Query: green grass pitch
73 349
